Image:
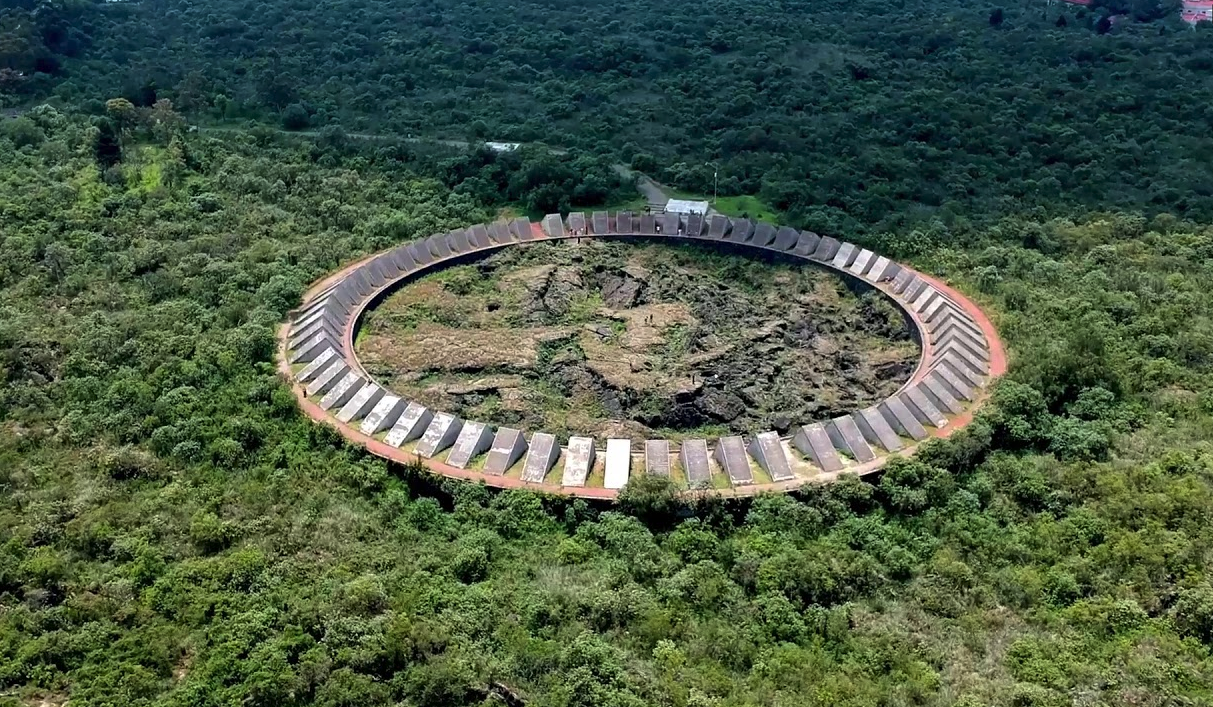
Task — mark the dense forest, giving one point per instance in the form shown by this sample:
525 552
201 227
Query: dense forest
845 115
173 532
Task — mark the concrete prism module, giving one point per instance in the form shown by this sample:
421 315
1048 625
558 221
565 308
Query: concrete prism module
827 248
361 404
618 463
307 352
317 366
960 357
923 408
474 439
657 457
341 393
328 378
541 458
579 462
443 431
385 414
730 455
767 450
845 436
694 460
876 430
814 442
901 419
507 448
807 244
413 423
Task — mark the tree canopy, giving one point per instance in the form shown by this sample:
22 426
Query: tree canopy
173 532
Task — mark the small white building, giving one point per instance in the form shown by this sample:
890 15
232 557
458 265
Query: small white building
682 206
503 146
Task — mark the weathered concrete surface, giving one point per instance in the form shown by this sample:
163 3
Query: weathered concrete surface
940 395
901 419
341 393
328 378
413 423
807 244
877 273
694 225
474 439
541 458
923 407
361 404
767 449
441 434
742 231
479 236
313 348
385 414
845 436
813 441
576 224
579 462
764 234
877 430
786 238
959 355
319 327
952 382
863 261
553 226
508 447
845 256
958 365
657 457
317 366
826 249
520 228
730 455
499 232
694 460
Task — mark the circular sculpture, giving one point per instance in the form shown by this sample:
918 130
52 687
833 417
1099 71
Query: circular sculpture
960 355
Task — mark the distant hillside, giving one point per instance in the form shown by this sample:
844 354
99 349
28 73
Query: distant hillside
844 116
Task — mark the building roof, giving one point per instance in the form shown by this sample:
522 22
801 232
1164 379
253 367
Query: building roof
682 206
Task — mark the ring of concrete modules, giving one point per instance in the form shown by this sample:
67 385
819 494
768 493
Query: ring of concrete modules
961 354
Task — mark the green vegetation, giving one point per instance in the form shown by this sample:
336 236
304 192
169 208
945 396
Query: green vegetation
846 115
746 206
174 533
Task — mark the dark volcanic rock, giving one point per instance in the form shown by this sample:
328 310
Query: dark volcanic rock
621 291
561 290
612 404
781 423
894 370
721 405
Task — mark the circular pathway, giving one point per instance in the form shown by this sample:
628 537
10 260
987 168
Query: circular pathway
960 355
